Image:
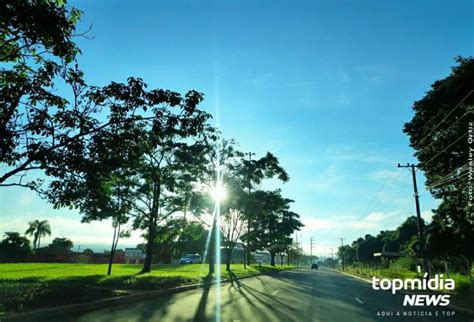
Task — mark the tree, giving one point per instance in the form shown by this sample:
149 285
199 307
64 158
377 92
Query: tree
172 162
250 173
14 248
104 188
232 227
39 129
399 239
62 242
221 161
163 153
35 47
38 229
367 246
88 251
438 133
348 252
437 247
274 222
191 239
177 237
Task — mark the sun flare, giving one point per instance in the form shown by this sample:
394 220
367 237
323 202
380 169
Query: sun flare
218 192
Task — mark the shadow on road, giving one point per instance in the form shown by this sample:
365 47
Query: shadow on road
270 307
200 314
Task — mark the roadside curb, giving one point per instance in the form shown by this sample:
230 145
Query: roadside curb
454 307
113 301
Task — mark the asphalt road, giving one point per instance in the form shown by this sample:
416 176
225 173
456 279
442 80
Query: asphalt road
296 295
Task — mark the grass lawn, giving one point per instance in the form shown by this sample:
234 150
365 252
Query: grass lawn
33 285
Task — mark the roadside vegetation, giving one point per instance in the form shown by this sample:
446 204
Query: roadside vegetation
438 133
31 285
463 294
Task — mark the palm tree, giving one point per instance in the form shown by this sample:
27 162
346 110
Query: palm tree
38 229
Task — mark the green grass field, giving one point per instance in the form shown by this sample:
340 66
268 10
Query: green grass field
32 285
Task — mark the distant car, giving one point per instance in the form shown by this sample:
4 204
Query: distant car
314 266
190 259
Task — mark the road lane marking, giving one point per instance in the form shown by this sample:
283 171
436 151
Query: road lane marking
358 300
275 292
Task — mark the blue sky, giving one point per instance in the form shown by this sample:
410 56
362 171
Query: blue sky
324 85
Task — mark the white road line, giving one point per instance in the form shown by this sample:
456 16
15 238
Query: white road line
358 300
275 292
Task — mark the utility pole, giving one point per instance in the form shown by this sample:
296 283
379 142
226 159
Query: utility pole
296 252
248 219
421 239
301 246
342 251
311 249
332 257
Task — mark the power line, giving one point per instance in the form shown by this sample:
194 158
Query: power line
385 188
446 177
406 206
385 195
457 140
445 131
451 181
459 104
389 184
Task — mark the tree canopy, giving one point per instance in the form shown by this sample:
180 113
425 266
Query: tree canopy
439 133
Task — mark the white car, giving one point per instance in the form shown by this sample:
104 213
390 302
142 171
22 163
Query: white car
190 259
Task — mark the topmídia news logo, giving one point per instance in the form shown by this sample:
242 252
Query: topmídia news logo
437 283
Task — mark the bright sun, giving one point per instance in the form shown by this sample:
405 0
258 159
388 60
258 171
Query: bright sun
218 192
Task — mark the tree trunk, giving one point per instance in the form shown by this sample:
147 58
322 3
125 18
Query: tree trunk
212 248
149 246
228 258
35 241
468 266
113 248
272 258
288 257
244 255
446 270
281 259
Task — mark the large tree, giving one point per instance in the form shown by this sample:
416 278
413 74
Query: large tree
222 160
154 163
38 229
439 133
104 185
62 242
36 48
14 248
48 113
251 173
274 222
177 237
